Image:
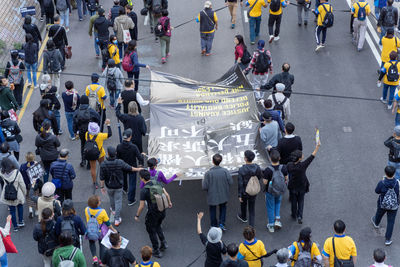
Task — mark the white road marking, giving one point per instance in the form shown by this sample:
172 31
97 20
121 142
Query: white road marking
146 20
246 19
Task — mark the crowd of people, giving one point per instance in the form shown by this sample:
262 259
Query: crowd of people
46 186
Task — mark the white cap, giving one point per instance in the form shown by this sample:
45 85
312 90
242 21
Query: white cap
48 189
207 4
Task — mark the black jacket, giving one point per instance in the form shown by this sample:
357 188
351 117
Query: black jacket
113 166
134 31
40 237
244 175
33 29
59 35
298 180
47 146
40 115
164 4
31 53
383 14
284 77
10 129
83 125
136 123
101 24
129 153
388 143
51 95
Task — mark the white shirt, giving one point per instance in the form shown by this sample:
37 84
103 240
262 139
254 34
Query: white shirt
379 265
139 98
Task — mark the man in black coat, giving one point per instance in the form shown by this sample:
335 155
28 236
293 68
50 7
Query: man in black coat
284 77
101 25
31 28
59 36
133 16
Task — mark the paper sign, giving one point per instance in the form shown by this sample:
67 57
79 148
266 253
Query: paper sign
29 10
106 240
34 172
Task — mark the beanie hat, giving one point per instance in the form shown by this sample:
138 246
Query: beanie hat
260 44
93 128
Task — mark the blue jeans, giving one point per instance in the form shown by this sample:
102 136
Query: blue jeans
70 121
222 215
81 4
31 71
254 23
96 44
3 260
396 165
64 16
391 89
122 47
114 94
391 217
397 119
206 40
377 12
57 115
132 186
273 204
13 209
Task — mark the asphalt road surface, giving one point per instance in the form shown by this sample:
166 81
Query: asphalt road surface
343 176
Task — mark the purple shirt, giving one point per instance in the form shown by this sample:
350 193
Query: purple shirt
161 178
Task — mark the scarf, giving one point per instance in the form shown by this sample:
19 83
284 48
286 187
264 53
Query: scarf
74 97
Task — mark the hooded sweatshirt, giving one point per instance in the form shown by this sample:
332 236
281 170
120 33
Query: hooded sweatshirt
244 175
48 145
33 29
122 22
18 184
7 99
117 74
52 54
65 252
101 24
383 186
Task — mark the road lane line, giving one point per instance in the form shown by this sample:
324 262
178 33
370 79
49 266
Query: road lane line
246 19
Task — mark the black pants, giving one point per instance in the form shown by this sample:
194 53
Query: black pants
42 13
391 217
135 75
351 23
297 199
251 200
153 228
318 31
49 17
83 142
102 118
103 45
277 20
62 51
139 144
18 88
64 194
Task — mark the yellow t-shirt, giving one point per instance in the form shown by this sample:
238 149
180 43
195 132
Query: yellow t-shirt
102 218
256 11
389 45
276 12
314 251
148 264
114 53
215 21
362 4
322 12
387 66
344 247
257 247
100 93
99 141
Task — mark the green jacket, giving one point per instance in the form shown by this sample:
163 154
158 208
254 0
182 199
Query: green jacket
91 24
7 99
65 252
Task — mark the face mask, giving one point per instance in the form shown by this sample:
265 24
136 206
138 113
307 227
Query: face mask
115 42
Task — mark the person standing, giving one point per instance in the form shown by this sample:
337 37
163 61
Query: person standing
31 51
216 182
15 74
248 170
275 17
71 103
390 75
388 18
53 62
97 96
232 6
116 254
32 29
64 9
303 5
59 36
388 202
101 25
112 78
298 183
360 11
393 143
129 94
131 50
208 24
269 133
284 77
323 9
254 14
165 39
133 16
289 143
121 23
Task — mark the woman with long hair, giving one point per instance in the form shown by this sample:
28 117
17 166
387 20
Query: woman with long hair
240 49
304 243
31 51
131 51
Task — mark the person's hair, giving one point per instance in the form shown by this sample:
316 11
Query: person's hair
93 201
129 7
390 2
249 233
30 156
101 11
29 38
46 214
84 100
393 55
116 2
112 37
282 255
28 19
122 11
145 175
65 239
339 226
146 252
7 166
249 155
275 156
268 103
114 239
152 163
131 47
133 108
69 85
285 67
68 212
379 255
94 79
217 158
305 236
165 13
390 171
50 44
232 249
4 115
5 147
296 155
289 127
128 82
111 63
46 125
240 39
57 17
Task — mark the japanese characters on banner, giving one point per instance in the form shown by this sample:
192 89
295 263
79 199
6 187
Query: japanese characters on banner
189 123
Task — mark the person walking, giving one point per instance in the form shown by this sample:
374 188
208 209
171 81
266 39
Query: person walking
112 78
275 17
59 35
113 50
390 75
280 102
306 245
116 254
233 250
388 18
131 51
378 5
389 43
129 94
298 184
97 96
254 14
214 247
284 77
11 132
50 94
360 11
31 28
71 100
275 115
101 25
282 257
31 51
156 176
321 12
133 16
130 154
303 5
52 63
165 28
339 246
14 72
121 23
67 252
232 6
93 32
43 114
47 200
49 11
269 133
154 217
388 191
217 182
246 172
289 143
6 153
4 232
62 174
64 8
155 8
242 56
208 24
379 258
7 99
83 6
30 161
146 253
393 143
275 180
114 11
14 199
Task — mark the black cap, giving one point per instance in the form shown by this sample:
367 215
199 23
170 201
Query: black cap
127 133
112 152
68 204
267 116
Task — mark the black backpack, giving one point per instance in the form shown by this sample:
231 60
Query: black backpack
157 7
111 81
10 192
83 119
91 149
263 62
388 20
246 58
279 106
68 226
92 5
161 29
393 72
50 239
329 18
113 181
396 150
116 260
275 5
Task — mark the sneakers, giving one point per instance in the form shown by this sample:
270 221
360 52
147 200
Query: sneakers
388 242
203 52
271 38
383 100
318 48
271 228
132 203
168 55
163 246
60 132
390 106
373 222
305 23
233 26
252 43
117 222
299 220
72 138
278 224
83 163
21 224
95 261
151 30
241 219
36 87
16 229
208 54
276 38
30 213
125 192
163 60
222 227
41 18
157 254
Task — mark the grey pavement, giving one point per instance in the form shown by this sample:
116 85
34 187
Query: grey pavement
343 175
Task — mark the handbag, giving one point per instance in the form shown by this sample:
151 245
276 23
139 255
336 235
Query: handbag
126 34
58 181
68 52
8 244
340 263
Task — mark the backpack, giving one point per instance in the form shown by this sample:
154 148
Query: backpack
83 119
157 196
396 150
127 64
154 178
93 99
116 260
161 28
92 5
15 75
157 6
279 106
10 192
253 186
114 181
362 13
329 18
277 186
68 262
92 227
246 58
390 201
91 149
304 257
275 5
389 20
50 239
61 5
263 62
393 72
68 226
111 81
53 62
